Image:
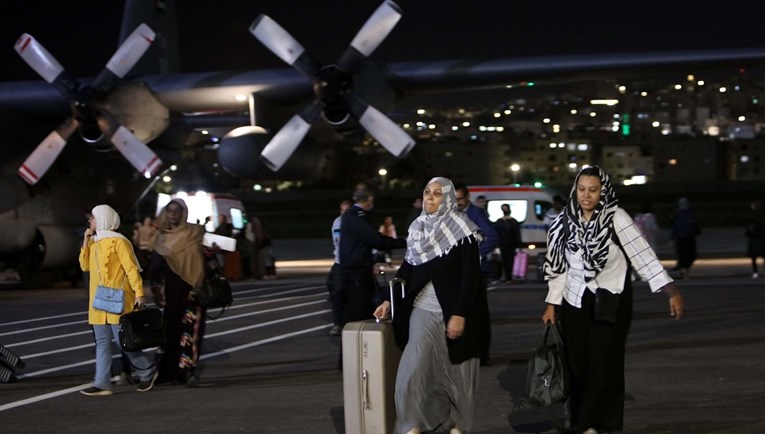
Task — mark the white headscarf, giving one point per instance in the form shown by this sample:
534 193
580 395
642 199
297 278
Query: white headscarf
107 223
433 235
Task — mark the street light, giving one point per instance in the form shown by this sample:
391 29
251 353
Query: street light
382 172
515 167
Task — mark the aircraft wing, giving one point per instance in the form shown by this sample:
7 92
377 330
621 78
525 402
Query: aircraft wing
200 93
33 107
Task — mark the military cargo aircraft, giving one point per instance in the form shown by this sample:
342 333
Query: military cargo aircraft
70 143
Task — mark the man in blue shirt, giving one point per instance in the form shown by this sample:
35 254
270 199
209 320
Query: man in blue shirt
479 217
487 246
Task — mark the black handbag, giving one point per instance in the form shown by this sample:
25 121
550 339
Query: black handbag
142 329
606 305
547 374
215 290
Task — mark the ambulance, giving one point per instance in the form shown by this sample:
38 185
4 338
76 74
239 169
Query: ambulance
204 208
528 205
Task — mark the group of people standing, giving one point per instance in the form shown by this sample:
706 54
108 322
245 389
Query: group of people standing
442 323
177 262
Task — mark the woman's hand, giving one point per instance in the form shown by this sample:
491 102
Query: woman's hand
455 327
549 315
382 310
139 301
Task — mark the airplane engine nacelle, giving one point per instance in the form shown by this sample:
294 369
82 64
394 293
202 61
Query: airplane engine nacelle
59 245
239 153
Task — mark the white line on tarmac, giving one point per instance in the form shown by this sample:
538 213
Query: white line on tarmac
52 326
74 389
40 398
84 313
24 321
216 320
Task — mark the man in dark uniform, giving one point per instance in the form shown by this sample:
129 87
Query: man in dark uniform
357 239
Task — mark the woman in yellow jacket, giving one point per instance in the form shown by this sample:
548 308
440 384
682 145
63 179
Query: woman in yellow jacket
110 259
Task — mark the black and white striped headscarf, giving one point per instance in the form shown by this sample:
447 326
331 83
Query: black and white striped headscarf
433 235
593 239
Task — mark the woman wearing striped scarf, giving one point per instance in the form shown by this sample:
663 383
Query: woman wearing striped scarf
592 244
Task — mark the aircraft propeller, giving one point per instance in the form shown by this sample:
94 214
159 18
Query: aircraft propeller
333 85
88 104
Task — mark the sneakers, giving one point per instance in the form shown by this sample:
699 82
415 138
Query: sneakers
336 330
146 386
755 275
95 391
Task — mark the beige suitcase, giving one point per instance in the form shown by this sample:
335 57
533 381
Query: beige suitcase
370 362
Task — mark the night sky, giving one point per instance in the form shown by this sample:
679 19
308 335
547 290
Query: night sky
83 34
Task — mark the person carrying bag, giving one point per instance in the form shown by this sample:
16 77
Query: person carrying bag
112 255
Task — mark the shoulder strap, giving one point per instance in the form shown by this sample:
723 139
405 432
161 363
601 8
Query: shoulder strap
98 269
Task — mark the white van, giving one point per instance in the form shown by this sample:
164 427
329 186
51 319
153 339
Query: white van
204 208
527 205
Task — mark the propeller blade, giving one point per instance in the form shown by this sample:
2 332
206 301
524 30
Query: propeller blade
124 58
36 56
40 160
135 151
391 136
284 143
281 43
371 35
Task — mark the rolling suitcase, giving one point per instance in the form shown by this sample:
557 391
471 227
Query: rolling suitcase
370 362
6 374
520 264
10 359
8 363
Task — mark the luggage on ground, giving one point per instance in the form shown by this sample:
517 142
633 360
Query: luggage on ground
9 362
520 264
370 362
7 375
232 266
9 358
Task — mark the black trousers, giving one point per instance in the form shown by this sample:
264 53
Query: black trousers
595 354
359 291
335 294
508 257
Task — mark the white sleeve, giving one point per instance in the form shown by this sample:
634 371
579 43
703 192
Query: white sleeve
642 258
555 289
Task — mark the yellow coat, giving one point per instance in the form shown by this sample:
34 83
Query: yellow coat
115 260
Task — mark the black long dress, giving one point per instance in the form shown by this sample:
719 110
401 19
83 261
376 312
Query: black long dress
184 324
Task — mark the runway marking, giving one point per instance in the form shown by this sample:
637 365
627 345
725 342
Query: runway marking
277 309
49 338
40 398
238 306
52 326
235 306
267 340
63 350
24 321
276 321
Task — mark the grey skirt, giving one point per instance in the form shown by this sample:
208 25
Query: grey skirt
431 392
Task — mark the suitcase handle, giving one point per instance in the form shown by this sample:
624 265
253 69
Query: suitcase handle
393 283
